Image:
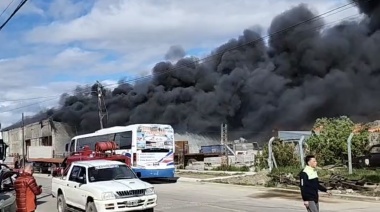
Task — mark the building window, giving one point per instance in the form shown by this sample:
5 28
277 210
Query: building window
46 141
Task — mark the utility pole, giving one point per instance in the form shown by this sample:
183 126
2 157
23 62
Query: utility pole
23 141
101 104
224 140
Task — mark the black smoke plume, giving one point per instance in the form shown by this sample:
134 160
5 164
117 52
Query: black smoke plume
300 75
175 53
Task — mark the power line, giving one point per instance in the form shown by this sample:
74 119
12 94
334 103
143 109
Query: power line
56 97
6 7
208 57
45 97
325 14
35 103
25 99
148 76
13 13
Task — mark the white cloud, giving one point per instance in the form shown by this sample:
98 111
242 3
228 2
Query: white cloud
19 100
66 10
134 25
75 57
83 41
109 84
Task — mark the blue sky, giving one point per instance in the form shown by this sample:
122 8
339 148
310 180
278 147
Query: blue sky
49 47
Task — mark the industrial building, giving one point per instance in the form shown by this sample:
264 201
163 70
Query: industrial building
293 135
48 134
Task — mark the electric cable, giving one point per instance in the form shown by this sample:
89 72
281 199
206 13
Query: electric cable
6 8
89 92
13 14
336 10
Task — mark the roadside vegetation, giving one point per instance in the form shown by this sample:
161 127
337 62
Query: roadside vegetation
328 143
232 168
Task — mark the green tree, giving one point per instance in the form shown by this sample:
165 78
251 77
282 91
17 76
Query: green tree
329 145
284 153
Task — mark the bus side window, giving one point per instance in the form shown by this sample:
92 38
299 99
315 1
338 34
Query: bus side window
124 139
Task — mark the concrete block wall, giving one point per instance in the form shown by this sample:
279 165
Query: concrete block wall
61 136
34 133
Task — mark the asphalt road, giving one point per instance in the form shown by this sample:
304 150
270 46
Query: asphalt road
191 196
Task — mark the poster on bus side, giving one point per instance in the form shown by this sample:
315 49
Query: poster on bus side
155 136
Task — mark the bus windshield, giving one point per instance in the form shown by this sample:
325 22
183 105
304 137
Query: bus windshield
110 172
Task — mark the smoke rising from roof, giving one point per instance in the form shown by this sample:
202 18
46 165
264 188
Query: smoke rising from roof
301 75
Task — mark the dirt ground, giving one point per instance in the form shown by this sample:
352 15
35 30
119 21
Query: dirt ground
259 178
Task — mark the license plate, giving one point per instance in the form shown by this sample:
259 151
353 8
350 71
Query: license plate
156 164
132 203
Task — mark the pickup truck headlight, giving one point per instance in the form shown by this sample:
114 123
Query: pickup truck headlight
108 196
149 191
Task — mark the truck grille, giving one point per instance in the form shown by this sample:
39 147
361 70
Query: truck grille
131 193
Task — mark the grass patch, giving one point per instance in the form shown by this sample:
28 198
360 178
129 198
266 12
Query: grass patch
231 168
371 176
205 175
198 175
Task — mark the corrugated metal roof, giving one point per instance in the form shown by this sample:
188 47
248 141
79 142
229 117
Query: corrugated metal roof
293 135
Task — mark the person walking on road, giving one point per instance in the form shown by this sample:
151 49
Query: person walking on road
26 190
309 184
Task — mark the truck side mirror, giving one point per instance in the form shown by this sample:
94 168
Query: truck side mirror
81 179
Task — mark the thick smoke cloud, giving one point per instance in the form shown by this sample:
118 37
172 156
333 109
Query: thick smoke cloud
372 10
175 53
298 76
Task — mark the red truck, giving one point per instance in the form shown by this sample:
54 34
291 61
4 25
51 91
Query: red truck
104 150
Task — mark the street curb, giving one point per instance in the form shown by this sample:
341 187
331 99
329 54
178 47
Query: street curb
42 175
215 172
188 179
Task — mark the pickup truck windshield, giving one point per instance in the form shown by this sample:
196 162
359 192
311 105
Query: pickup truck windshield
110 172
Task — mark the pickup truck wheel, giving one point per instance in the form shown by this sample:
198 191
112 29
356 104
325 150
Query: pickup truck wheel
90 207
61 204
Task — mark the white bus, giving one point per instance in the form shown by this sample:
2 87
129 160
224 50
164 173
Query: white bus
149 146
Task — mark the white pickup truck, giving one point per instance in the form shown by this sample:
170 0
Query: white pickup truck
100 186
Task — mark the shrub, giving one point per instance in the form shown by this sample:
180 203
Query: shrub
284 153
330 144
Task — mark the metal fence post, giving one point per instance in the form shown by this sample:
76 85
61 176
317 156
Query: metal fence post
270 154
300 145
349 153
